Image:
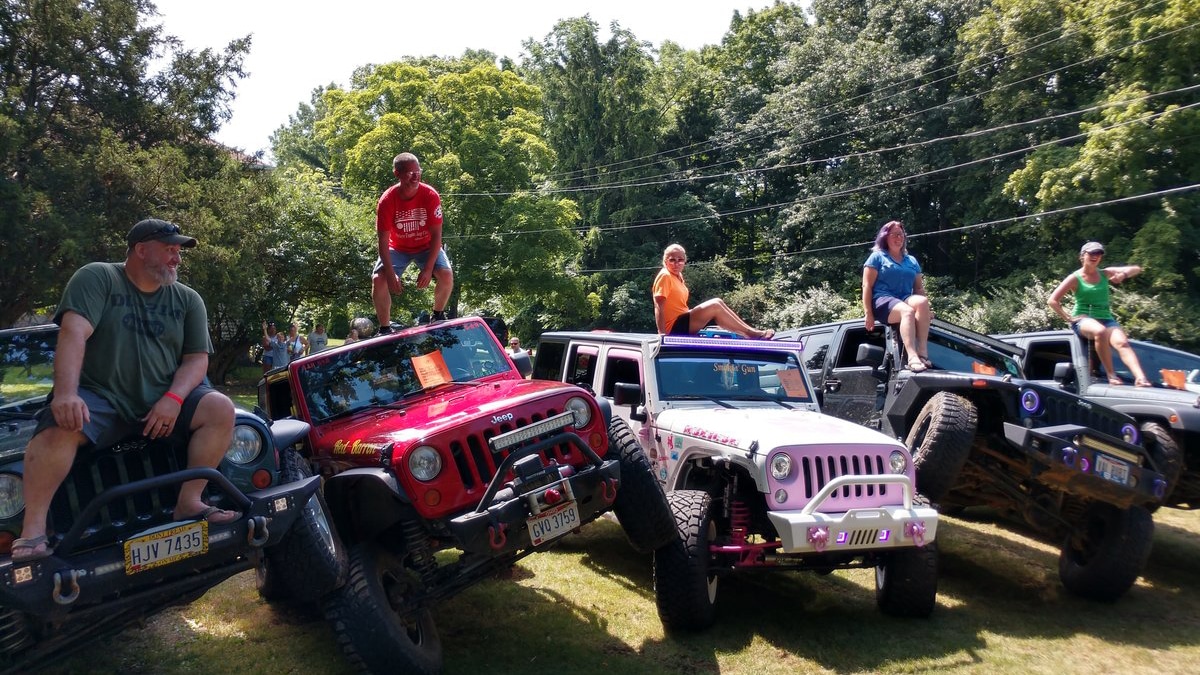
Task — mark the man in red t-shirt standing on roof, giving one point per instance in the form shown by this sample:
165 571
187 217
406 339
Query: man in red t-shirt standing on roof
408 219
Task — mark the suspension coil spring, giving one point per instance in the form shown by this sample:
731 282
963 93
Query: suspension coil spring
418 550
739 522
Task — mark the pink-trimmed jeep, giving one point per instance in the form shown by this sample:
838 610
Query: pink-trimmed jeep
757 477
431 439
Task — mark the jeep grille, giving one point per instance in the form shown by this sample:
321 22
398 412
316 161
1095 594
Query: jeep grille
816 470
1068 410
477 465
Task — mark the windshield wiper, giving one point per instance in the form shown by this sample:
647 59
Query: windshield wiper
699 397
758 397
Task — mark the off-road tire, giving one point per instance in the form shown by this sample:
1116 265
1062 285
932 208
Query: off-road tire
1162 447
310 561
940 441
641 506
906 581
685 590
376 635
1103 558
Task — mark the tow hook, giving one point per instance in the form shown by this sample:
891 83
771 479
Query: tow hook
257 525
496 536
915 530
608 490
72 580
818 537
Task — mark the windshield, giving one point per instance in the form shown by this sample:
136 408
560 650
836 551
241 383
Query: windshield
384 372
955 354
1155 359
769 376
26 370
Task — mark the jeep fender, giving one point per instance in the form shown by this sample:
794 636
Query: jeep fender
365 502
1156 412
691 458
605 410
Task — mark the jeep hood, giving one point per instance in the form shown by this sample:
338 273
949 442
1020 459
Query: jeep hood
770 427
446 408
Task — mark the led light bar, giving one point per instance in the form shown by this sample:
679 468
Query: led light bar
727 343
1095 444
518 436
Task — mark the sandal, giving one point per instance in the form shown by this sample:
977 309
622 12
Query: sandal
1142 382
767 334
213 515
39 547
926 361
915 365
1116 381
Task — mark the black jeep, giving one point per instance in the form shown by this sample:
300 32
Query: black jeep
118 553
981 434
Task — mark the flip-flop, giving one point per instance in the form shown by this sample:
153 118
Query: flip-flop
32 543
1142 382
926 361
915 365
208 514
1115 381
767 334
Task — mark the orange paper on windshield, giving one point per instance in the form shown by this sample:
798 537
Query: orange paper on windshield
431 369
980 369
792 383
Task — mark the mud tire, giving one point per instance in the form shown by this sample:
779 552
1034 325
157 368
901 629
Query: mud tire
906 581
1102 559
685 589
940 441
376 635
1164 450
640 506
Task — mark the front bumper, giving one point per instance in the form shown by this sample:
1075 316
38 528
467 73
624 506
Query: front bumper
1085 463
866 529
499 524
78 576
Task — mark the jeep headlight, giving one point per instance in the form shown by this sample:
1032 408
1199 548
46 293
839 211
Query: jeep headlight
581 410
898 462
781 466
12 495
425 463
247 445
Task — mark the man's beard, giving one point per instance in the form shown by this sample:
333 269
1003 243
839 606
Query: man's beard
165 275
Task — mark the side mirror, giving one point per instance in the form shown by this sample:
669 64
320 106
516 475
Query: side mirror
869 355
625 393
1063 372
523 363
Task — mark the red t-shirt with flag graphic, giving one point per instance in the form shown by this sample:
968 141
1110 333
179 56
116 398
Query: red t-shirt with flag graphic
407 221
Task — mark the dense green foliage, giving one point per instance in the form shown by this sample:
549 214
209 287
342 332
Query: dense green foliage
1004 133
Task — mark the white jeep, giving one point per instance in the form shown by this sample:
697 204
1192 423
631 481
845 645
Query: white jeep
757 477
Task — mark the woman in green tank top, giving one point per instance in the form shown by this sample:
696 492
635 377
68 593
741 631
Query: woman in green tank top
1092 316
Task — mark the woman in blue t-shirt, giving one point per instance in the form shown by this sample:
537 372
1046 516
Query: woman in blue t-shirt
894 292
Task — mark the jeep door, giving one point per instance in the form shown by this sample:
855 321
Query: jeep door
625 366
850 391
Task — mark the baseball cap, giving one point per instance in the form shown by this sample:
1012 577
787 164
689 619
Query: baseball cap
154 229
1092 247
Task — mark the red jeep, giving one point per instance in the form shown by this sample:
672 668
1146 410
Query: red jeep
431 438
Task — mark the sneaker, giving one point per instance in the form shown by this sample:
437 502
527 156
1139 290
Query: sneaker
438 316
385 329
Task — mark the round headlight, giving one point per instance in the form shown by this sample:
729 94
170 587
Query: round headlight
425 463
581 410
1130 434
781 466
247 445
898 462
12 495
1030 401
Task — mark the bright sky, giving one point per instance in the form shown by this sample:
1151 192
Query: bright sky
300 45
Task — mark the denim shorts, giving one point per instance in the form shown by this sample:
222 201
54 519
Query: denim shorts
882 307
401 261
1107 323
105 425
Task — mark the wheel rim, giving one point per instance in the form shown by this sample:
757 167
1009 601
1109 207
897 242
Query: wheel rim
314 511
396 589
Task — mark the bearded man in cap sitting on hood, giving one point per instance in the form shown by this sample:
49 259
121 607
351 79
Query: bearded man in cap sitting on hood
132 356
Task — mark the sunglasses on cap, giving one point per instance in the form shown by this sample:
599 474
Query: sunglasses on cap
165 228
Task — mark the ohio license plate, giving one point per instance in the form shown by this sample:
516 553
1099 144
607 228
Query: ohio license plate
554 523
1111 469
166 546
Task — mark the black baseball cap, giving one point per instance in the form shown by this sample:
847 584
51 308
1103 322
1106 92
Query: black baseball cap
153 229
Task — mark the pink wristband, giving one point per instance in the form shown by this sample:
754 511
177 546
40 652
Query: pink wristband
174 397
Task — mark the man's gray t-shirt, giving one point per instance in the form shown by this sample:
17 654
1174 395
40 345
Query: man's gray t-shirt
317 342
138 339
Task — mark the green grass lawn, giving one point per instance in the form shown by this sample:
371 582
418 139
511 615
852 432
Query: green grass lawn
587 606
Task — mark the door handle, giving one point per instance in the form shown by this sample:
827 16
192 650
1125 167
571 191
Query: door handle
832 385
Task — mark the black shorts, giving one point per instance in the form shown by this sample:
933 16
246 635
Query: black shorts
106 427
682 325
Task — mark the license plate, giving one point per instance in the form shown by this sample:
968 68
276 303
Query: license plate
553 523
1111 469
165 547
